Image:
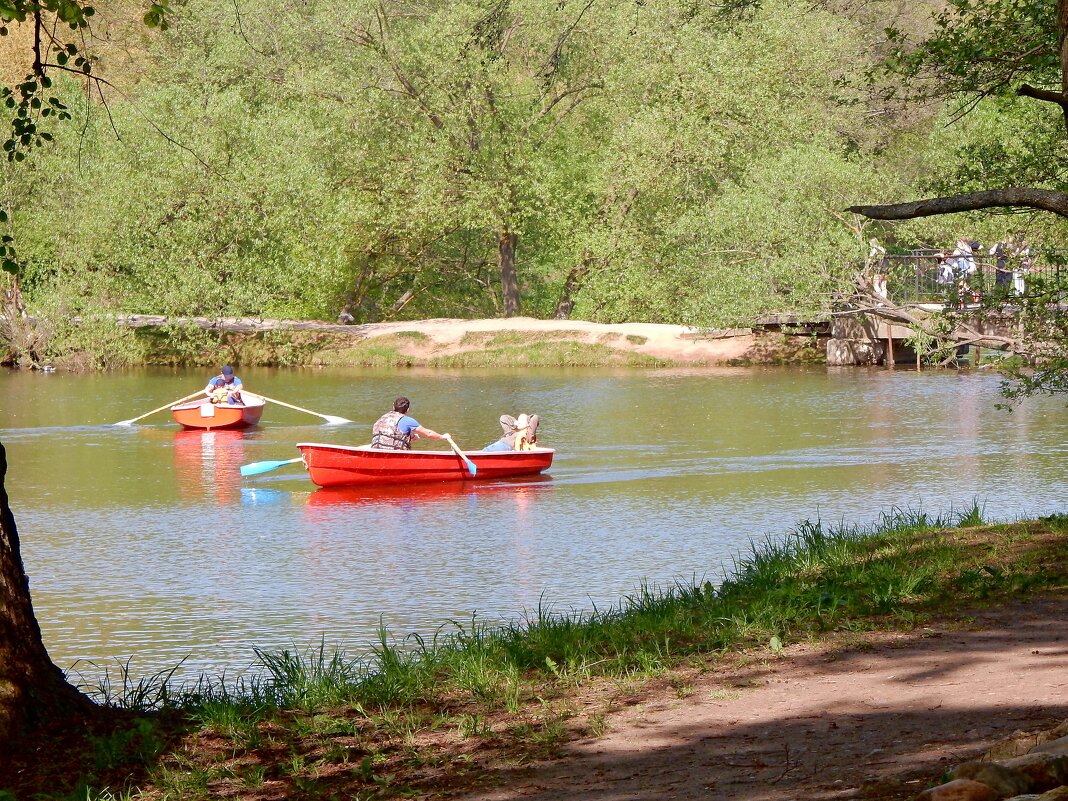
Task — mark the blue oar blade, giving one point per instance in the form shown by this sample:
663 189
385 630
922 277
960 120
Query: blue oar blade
470 465
255 468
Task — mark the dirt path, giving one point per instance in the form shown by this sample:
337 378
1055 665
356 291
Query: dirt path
878 721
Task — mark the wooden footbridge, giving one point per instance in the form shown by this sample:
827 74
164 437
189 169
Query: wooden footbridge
900 295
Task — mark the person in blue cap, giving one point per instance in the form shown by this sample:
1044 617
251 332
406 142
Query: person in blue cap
230 382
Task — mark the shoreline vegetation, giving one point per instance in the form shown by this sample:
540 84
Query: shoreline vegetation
444 343
433 717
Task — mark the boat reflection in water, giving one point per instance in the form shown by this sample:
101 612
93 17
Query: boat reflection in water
208 465
521 488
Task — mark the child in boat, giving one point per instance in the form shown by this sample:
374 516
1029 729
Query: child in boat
520 433
221 393
229 380
218 391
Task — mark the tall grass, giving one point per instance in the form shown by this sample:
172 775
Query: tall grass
548 354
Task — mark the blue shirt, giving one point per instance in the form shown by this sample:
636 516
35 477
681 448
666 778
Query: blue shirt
236 385
407 424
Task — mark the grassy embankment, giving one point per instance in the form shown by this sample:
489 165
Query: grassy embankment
488 349
561 348
419 717
103 346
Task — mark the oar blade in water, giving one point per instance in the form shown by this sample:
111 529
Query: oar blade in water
255 468
471 468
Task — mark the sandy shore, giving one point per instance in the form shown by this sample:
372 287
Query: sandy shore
681 344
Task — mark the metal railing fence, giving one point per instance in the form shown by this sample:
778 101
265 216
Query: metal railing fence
932 277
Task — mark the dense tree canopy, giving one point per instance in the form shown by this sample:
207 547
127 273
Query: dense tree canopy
614 159
978 51
611 159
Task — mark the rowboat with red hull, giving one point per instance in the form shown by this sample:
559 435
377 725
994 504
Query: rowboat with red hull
348 465
206 416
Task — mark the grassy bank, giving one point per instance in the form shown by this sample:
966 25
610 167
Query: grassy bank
100 344
183 346
418 717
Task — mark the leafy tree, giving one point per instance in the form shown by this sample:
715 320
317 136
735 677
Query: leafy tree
374 159
993 57
980 50
33 691
729 148
487 91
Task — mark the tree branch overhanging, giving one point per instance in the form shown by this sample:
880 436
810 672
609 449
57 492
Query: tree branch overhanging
1047 95
1009 197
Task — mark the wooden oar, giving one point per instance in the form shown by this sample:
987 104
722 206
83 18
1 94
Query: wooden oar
255 468
470 465
160 409
330 418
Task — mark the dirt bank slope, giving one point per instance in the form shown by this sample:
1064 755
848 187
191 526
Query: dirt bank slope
674 343
879 719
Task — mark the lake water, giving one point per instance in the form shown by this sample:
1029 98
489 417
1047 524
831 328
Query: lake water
145 543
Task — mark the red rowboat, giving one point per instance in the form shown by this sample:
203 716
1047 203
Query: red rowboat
205 415
346 465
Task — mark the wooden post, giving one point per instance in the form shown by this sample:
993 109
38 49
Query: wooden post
889 344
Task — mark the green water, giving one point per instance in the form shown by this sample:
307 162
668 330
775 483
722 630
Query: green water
144 542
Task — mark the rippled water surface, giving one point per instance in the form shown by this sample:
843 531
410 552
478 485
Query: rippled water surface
145 541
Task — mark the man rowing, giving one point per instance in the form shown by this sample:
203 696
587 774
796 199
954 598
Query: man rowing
229 382
395 430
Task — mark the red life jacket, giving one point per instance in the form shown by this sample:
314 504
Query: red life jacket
387 436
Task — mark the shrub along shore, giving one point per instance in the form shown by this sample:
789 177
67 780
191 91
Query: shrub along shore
418 716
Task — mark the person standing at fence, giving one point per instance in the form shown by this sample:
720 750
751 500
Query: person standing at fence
1022 256
963 259
877 265
945 268
878 285
964 267
1002 273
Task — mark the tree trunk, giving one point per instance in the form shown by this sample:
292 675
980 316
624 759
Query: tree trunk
32 689
506 242
1062 48
566 304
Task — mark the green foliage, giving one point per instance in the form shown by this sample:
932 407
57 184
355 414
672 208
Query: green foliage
683 165
379 175
979 48
1044 318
